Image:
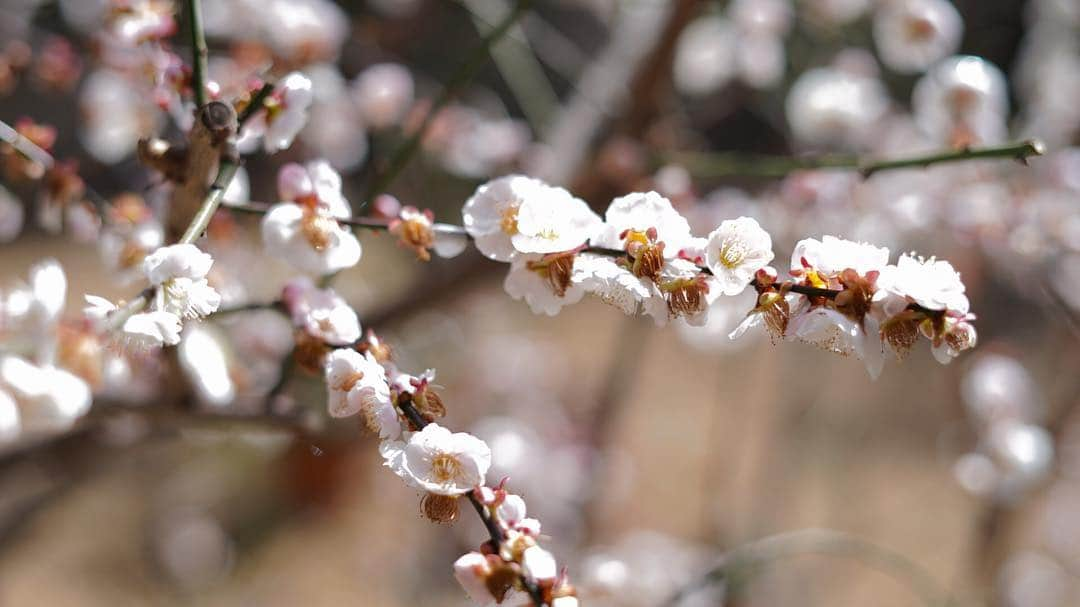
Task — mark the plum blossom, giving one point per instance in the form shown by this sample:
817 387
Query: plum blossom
558 222
830 256
148 330
491 213
356 383
284 114
962 101
322 313
617 286
735 252
931 283
48 398
634 214
545 282
303 229
473 570
179 271
439 461
911 35
835 332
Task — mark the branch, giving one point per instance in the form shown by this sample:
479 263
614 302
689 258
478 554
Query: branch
497 537
737 566
199 52
261 208
728 164
254 105
465 72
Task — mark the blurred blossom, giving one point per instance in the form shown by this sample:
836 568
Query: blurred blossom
383 93
1067 271
302 31
829 106
998 387
113 116
976 473
979 208
644 568
962 101
337 135
85 16
762 16
1033 579
11 216
1025 452
204 357
193 548
911 35
761 60
705 56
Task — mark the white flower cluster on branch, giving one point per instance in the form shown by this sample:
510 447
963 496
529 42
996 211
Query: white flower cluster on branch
840 295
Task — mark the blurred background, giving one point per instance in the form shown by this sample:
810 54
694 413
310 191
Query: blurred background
668 466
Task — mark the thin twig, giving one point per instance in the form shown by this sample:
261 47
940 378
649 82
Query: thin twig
254 105
226 171
734 164
738 566
465 72
198 51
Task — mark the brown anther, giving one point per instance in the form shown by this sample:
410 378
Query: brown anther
378 348
503 577
439 508
429 403
856 298
310 352
686 296
776 314
557 269
901 332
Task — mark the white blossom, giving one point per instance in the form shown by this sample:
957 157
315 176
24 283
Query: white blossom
831 255
557 222
539 564
736 250
309 239
911 35
180 273
284 116
151 330
48 398
491 213
356 383
614 284
962 101
9 418
472 571
322 313
438 461
638 212
834 332
832 106
931 283
530 279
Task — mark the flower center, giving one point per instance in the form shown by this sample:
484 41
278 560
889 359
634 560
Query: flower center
733 252
317 229
445 467
348 382
508 222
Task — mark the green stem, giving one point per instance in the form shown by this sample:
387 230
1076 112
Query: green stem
727 164
254 105
199 52
224 177
465 72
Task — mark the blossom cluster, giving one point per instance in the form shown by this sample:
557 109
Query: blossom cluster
363 380
642 257
180 290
